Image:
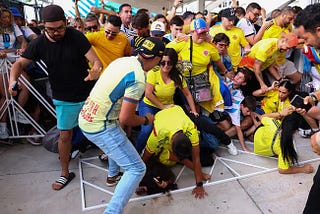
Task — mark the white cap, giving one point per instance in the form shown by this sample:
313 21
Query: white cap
157 28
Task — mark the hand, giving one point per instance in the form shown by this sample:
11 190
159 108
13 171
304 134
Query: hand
307 168
11 85
20 51
246 50
94 9
274 84
264 88
199 192
230 75
177 2
246 149
205 176
300 111
94 74
3 55
194 113
150 117
162 184
307 100
286 111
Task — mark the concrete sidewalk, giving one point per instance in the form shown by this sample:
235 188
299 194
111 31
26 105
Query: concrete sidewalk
26 174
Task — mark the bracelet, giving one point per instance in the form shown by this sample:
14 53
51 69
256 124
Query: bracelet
146 122
199 184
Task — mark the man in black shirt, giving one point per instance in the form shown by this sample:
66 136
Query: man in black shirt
65 52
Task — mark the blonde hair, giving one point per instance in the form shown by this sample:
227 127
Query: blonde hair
9 28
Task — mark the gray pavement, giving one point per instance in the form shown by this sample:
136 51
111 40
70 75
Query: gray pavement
26 174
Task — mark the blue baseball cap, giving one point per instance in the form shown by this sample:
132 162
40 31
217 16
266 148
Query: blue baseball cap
199 25
15 12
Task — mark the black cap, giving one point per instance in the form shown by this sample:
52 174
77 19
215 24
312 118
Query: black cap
181 146
52 13
151 48
228 13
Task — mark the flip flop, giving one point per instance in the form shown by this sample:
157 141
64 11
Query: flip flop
64 181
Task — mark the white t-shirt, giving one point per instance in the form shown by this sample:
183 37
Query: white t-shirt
247 27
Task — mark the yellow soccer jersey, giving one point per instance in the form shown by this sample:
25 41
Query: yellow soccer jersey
237 40
271 102
109 50
266 51
167 122
163 91
202 54
275 31
263 141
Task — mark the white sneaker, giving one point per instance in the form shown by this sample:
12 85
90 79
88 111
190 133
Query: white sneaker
4 133
232 149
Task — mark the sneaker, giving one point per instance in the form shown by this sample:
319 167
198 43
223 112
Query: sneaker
4 133
74 154
232 149
305 133
112 181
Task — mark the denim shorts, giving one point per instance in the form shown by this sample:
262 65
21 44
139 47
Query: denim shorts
67 114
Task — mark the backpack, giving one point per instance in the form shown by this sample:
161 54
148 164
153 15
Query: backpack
79 141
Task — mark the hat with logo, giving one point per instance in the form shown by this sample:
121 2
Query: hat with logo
228 13
53 13
199 25
151 48
15 12
292 39
157 28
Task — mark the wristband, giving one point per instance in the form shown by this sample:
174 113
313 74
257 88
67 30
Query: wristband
314 98
146 122
199 184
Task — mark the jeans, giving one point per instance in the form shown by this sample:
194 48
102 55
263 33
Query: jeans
116 145
145 129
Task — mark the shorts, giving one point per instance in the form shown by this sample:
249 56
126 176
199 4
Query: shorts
67 114
287 68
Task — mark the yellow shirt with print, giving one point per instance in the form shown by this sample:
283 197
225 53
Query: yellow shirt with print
275 31
237 40
163 91
109 50
266 51
167 122
202 54
271 103
263 141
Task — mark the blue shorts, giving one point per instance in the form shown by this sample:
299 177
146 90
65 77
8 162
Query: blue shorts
67 114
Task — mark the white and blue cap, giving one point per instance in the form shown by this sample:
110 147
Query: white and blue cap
157 28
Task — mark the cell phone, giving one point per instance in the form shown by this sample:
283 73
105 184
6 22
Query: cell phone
297 101
15 86
157 180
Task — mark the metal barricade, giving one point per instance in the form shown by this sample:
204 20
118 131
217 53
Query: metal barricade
11 107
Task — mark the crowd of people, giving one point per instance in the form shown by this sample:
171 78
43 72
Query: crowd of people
186 83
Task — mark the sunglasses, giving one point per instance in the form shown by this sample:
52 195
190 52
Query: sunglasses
111 33
59 29
168 63
94 27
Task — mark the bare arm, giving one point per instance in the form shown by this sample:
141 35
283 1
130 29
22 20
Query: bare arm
16 70
76 9
258 73
172 13
23 42
241 139
97 10
186 92
253 39
306 168
94 72
129 117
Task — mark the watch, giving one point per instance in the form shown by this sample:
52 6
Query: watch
199 184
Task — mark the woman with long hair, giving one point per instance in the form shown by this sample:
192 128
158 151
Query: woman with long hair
162 83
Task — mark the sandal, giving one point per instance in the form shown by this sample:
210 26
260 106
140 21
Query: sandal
64 181
103 157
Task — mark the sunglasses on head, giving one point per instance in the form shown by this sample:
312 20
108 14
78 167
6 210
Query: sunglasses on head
168 63
94 27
